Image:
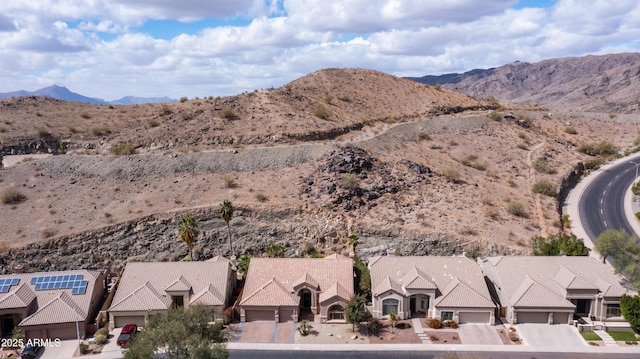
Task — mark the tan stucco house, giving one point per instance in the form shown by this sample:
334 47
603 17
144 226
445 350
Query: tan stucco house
537 289
447 288
148 288
286 289
59 304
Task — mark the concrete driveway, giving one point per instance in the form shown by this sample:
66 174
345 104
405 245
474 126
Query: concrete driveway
545 335
480 334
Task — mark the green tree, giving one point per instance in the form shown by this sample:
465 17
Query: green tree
362 280
559 244
275 250
188 232
630 308
393 320
613 242
226 213
352 241
355 311
243 263
181 334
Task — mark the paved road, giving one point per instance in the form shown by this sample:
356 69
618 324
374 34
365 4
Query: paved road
601 206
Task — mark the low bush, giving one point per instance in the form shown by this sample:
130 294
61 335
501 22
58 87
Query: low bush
100 131
570 130
543 165
517 209
434 323
84 348
494 115
123 149
450 324
104 331
12 196
228 114
545 188
321 112
165 110
350 181
602 148
100 339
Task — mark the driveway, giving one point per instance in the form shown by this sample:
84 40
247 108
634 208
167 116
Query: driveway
545 335
480 334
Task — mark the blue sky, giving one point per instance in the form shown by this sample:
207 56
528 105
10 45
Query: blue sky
197 48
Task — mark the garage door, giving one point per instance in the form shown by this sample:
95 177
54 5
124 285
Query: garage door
561 318
532 317
254 315
286 315
121 321
474 317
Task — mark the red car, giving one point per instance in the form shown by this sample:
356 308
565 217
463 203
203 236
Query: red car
126 335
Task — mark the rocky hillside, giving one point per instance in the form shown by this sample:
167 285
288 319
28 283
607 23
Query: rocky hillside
607 83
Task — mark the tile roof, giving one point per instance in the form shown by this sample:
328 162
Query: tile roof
336 290
271 281
533 279
25 292
143 285
458 281
208 295
532 294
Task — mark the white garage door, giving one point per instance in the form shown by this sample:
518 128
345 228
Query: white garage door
121 321
253 315
532 317
474 317
561 318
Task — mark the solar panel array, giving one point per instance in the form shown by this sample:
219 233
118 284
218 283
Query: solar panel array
6 283
75 282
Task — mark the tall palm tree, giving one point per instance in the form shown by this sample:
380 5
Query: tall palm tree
226 213
188 232
352 241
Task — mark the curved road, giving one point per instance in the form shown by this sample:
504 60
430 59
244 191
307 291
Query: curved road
601 205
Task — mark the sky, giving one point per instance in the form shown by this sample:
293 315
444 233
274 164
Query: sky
198 48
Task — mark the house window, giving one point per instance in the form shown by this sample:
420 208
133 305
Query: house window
446 316
177 301
613 310
336 312
388 305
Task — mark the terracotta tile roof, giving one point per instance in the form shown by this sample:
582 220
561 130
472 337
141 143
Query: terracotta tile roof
271 281
61 309
532 294
24 292
143 285
533 279
208 295
458 280
459 295
336 290
22 297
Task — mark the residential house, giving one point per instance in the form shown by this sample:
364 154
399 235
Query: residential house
289 289
447 288
60 304
536 289
148 288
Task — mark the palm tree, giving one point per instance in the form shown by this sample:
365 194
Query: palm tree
188 232
352 241
226 213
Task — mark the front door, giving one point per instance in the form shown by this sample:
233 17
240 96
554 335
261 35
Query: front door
583 306
306 300
7 325
412 304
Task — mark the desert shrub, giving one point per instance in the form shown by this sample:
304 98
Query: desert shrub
328 98
434 323
471 160
229 180
425 136
451 324
85 115
437 87
316 254
43 132
594 163
100 339
344 98
153 123
528 121
123 149
261 197
228 114
523 146
3 129
635 188
543 165
84 348
637 215
452 175
184 99
492 100
321 112
523 135
165 110
100 131
433 337
545 188
304 328
517 209
350 181
373 326
494 115
570 130
103 331
307 247
602 148
275 250
12 196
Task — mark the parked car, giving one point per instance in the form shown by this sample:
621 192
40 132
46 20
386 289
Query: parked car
127 334
31 351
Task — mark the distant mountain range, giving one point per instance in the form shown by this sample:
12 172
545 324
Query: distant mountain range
62 93
605 83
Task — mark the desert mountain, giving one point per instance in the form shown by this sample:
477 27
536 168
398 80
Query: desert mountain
63 93
607 83
408 167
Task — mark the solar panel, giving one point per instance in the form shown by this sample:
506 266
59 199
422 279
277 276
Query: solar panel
6 283
75 282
